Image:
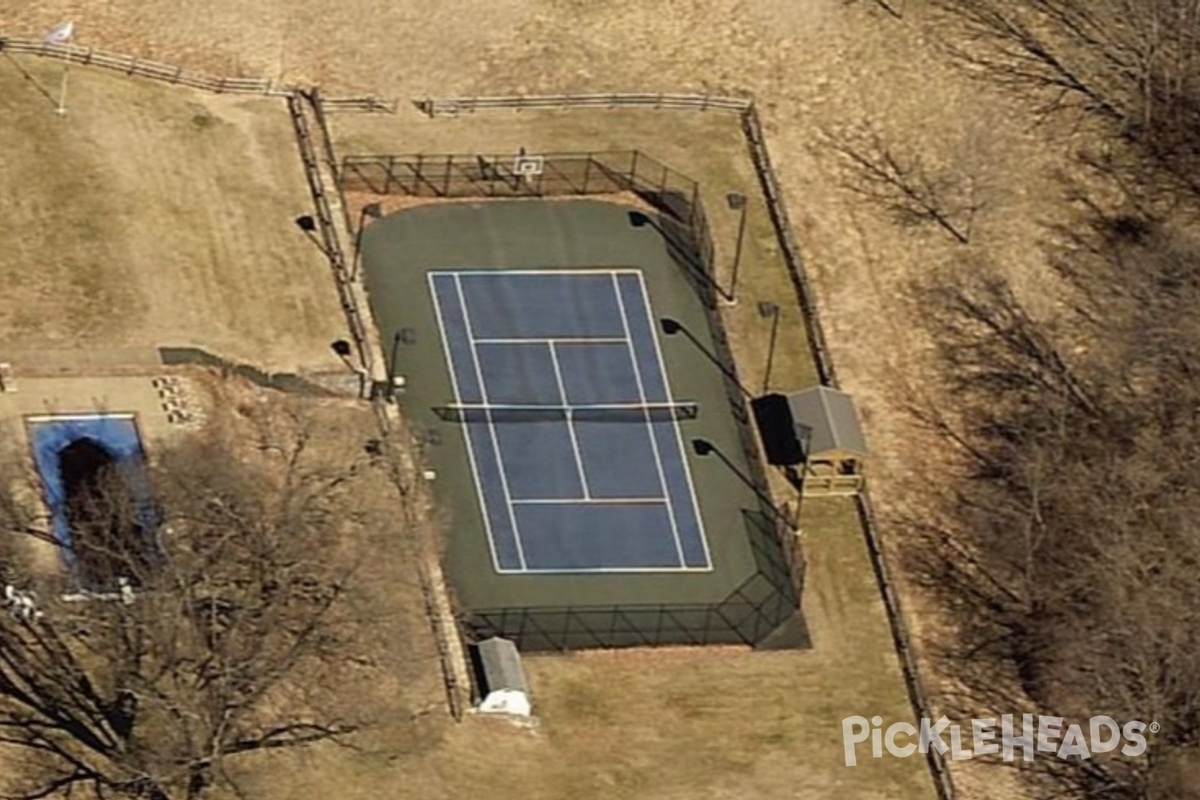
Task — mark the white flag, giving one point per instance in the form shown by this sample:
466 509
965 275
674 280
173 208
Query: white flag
61 34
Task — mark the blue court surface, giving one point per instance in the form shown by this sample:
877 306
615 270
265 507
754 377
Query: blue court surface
577 468
50 435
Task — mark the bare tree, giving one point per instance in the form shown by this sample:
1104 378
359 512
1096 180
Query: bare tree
889 7
904 186
245 607
1066 555
1132 64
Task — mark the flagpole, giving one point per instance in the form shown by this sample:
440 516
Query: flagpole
61 35
62 89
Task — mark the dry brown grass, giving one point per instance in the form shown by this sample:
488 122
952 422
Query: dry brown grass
813 65
671 724
396 673
394 677
151 215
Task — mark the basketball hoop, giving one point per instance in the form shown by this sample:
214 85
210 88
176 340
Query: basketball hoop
528 167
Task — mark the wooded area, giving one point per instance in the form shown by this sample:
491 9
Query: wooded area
1061 561
253 623
1064 556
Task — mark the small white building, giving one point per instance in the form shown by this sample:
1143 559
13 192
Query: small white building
502 683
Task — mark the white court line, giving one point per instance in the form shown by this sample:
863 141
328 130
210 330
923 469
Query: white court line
483 505
605 571
687 470
637 374
562 395
563 408
512 515
613 273
552 340
591 501
581 271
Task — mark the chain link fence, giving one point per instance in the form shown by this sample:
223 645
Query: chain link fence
770 186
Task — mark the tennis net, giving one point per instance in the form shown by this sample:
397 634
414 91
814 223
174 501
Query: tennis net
633 412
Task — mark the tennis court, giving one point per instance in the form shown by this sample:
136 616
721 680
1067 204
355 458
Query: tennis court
558 420
571 426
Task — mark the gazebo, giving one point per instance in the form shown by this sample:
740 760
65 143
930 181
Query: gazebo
832 441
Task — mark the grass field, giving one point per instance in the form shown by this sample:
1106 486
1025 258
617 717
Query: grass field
814 66
665 724
150 215
730 724
673 723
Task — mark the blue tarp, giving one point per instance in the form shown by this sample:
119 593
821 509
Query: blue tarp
117 434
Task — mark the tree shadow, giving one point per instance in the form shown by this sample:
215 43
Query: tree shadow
109 537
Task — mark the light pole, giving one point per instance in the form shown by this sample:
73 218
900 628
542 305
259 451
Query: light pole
639 220
767 309
671 327
374 211
342 350
737 202
391 388
703 447
308 225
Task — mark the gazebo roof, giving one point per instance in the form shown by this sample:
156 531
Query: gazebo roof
829 421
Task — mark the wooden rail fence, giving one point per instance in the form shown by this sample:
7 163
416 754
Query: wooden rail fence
365 104
178 76
428 570
752 128
132 65
772 192
691 102
330 243
298 101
